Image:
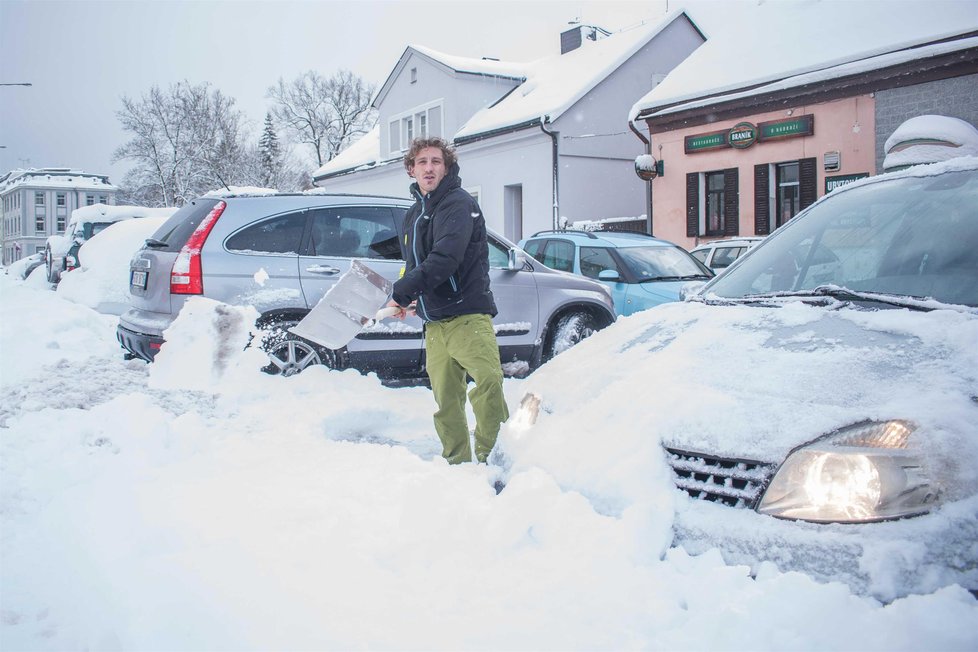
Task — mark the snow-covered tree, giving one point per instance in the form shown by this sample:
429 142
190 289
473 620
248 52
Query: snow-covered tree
325 113
269 152
186 140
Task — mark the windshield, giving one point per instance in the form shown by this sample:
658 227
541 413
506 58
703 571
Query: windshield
656 263
910 236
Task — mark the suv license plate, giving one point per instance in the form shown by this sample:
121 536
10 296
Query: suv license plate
138 279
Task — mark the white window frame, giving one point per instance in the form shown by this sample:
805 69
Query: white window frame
413 117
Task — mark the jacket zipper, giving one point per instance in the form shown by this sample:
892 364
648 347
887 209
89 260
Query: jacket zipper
414 247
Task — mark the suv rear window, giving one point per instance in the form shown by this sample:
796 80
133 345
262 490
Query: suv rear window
176 231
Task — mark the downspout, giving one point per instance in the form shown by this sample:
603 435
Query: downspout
648 184
556 170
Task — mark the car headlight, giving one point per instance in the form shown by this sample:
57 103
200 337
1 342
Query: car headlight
864 472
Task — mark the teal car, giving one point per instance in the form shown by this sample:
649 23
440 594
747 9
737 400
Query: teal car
640 270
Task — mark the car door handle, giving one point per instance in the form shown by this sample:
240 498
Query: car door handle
323 269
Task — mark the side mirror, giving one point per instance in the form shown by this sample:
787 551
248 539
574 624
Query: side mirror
609 275
516 261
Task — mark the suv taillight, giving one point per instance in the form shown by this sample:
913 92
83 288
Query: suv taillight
186 276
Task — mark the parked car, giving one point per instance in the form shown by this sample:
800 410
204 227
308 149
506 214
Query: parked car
282 252
640 271
61 251
22 268
817 415
720 254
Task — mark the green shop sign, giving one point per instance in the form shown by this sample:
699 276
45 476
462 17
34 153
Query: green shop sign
790 128
704 142
745 134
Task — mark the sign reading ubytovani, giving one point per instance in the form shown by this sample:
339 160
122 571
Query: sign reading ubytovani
742 136
831 183
704 142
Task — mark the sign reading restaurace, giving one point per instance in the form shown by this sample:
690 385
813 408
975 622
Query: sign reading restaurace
745 134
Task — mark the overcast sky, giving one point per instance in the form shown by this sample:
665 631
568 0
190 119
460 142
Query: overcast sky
82 56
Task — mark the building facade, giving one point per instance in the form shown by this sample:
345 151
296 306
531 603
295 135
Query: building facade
743 159
37 203
541 143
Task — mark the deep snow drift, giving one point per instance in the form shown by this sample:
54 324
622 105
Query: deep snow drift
198 504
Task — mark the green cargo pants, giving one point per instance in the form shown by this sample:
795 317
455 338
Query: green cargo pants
458 347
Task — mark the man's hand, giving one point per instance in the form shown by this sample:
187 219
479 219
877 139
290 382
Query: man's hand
403 312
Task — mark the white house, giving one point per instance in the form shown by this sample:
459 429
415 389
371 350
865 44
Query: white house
36 203
538 142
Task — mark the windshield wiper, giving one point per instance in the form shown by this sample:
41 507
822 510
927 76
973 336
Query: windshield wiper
153 243
845 294
688 277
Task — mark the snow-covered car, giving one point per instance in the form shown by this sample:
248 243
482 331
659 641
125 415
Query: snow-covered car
827 424
61 251
720 254
22 268
929 139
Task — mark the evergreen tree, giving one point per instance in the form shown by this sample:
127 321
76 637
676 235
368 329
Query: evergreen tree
270 154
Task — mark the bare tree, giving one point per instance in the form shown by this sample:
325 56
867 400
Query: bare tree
185 141
327 114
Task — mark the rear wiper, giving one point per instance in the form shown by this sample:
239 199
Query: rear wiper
153 243
688 277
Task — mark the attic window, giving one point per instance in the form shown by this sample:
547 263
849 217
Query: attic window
414 75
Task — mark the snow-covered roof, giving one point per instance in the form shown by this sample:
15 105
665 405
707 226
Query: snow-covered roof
54 178
554 84
363 154
801 37
822 75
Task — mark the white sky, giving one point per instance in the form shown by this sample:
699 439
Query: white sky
82 56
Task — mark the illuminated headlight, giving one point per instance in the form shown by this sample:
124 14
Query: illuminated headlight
864 472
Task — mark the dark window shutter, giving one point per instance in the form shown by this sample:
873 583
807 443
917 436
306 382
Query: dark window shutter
692 204
762 186
808 173
731 201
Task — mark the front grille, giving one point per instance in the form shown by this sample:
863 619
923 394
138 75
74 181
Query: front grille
737 483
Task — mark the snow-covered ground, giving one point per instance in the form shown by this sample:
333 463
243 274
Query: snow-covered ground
197 504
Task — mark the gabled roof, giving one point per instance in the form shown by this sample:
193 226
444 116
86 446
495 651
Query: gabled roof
791 39
554 84
452 64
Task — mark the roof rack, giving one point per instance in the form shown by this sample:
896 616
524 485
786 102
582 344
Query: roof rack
574 231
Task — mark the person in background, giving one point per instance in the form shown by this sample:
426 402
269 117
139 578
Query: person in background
446 282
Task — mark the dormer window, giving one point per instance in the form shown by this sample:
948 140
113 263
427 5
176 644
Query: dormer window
422 122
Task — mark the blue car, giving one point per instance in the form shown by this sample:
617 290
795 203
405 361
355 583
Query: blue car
640 270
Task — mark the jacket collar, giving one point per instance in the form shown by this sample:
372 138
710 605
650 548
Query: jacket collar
449 183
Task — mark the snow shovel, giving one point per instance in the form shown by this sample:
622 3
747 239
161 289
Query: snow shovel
356 299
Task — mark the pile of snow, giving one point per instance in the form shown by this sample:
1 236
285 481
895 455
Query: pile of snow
147 509
929 139
239 191
101 282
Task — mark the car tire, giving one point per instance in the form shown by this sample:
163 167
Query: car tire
569 330
289 354
53 277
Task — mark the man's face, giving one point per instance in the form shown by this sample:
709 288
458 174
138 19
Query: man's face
429 168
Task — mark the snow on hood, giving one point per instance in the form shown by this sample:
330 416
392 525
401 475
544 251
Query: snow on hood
746 382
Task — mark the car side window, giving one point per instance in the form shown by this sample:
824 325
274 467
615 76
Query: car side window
595 260
700 255
498 254
559 254
355 232
724 256
278 235
533 248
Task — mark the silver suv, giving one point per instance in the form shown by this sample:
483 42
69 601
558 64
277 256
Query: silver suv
281 253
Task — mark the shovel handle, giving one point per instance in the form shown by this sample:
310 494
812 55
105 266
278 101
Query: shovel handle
389 311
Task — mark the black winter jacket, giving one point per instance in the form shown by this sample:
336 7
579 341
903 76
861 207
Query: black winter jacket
447 254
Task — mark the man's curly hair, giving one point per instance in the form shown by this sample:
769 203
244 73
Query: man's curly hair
419 144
